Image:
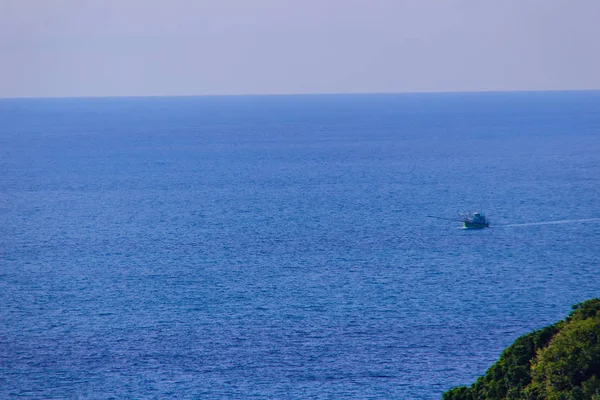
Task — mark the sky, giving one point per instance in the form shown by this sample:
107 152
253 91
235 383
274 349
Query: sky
71 48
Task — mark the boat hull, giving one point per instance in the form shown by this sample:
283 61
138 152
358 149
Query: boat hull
474 225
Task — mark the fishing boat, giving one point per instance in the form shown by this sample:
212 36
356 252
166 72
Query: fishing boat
475 220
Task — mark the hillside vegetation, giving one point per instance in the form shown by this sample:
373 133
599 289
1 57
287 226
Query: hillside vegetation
561 361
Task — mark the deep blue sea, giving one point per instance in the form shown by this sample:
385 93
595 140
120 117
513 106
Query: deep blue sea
278 247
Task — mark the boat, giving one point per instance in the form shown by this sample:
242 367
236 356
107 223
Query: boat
475 220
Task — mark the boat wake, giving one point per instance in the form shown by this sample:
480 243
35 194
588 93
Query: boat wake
562 221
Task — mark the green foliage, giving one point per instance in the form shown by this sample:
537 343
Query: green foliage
561 361
571 360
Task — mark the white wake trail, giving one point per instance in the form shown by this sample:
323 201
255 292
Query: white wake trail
562 221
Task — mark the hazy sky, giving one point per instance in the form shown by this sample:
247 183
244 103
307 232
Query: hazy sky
196 47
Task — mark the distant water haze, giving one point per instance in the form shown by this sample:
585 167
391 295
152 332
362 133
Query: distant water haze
188 47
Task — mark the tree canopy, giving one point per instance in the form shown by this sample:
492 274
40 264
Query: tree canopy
558 362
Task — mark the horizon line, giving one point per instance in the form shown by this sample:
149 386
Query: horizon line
294 94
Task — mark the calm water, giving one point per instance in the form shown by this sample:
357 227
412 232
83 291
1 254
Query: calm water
277 247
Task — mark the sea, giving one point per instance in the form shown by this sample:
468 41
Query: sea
282 247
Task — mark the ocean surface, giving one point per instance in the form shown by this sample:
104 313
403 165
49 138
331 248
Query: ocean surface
278 247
